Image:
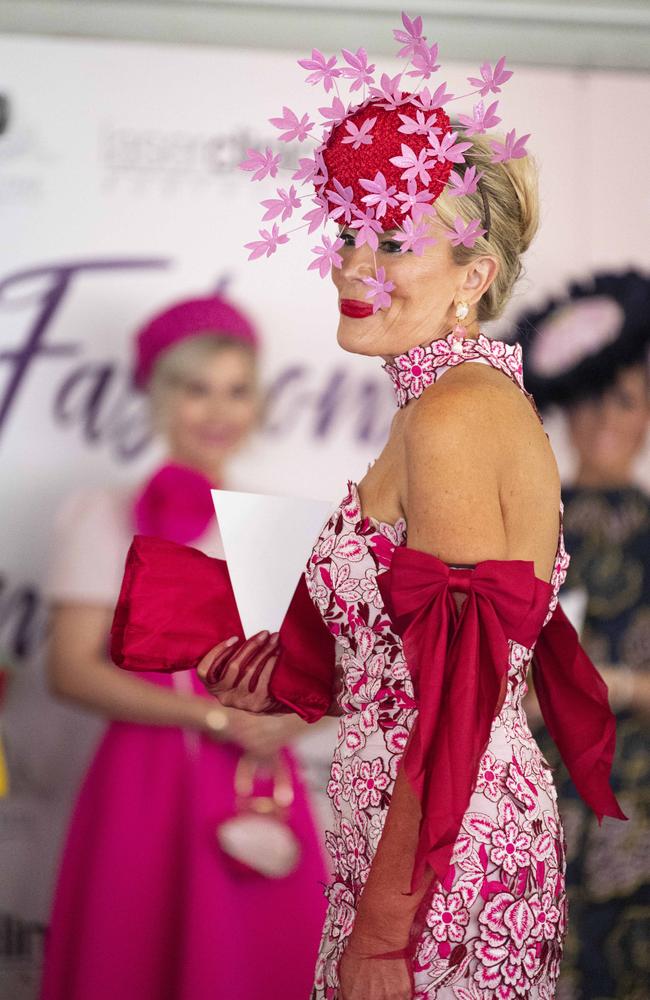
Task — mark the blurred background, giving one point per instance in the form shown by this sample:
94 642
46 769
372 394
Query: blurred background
122 125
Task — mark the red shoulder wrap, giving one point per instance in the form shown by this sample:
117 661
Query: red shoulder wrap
459 664
176 603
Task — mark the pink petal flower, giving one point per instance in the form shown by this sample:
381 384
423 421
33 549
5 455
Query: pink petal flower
411 37
267 245
481 119
264 164
285 203
424 60
448 149
512 149
465 183
316 217
291 126
414 200
359 136
326 256
336 113
389 91
420 125
466 233
323 70
380 196
320 179
414 236
430 102
415 165
380 290
491 79
306 169
357 68
343 198
367 228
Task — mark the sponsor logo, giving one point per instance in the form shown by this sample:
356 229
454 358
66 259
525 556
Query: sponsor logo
178 158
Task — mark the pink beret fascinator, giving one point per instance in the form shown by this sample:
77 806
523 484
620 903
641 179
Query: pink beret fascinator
189 318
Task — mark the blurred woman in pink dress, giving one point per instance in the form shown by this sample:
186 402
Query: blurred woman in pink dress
148 906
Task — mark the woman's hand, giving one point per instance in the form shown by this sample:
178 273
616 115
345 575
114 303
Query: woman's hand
364 978
238 675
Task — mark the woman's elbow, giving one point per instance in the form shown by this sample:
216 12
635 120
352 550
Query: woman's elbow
60 678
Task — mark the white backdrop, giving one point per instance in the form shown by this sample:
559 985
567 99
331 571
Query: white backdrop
119 192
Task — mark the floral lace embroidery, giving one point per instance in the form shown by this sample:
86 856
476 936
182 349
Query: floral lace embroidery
508 865
495 926
413 372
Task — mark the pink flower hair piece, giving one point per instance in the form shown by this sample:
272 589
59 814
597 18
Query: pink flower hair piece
380 196
415 237
264 164
465 233
267 245
491 78
326 256
359 136
380 290
380 163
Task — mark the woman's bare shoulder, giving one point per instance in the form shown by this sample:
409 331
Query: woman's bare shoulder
469 406
461 444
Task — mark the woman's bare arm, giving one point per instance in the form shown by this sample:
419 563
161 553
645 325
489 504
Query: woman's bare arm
79 671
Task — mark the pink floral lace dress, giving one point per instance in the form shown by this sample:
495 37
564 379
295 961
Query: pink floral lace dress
494 927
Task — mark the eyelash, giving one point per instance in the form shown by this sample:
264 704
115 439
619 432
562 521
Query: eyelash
387 246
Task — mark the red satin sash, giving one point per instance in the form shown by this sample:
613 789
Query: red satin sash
459 664
176 603
573 698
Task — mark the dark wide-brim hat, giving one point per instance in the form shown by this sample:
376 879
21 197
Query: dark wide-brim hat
576 345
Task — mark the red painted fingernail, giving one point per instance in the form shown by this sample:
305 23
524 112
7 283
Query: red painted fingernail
216 670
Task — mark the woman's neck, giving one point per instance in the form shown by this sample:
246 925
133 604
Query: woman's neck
592 478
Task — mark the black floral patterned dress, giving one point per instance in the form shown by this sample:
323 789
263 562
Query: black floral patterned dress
607 953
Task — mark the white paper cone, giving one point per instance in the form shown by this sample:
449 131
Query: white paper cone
267 541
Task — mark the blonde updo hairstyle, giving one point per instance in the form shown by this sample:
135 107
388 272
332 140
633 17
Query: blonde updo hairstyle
511 191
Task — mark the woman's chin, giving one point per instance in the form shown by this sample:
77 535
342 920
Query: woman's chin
355 337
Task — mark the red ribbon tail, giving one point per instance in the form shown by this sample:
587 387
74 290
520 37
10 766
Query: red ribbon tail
573 698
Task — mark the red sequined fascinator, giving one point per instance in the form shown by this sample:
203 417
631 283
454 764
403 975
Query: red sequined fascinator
382 162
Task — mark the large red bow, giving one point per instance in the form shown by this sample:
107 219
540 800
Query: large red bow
458 660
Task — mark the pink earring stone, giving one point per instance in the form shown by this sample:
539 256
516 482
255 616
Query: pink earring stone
458 333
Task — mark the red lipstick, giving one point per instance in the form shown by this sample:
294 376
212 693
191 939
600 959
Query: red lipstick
355 309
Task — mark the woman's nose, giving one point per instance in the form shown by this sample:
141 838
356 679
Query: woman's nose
358 263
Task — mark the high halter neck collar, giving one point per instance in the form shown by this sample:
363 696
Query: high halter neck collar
413 372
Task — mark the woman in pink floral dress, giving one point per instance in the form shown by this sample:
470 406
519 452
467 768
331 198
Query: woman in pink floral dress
469 470
448 868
